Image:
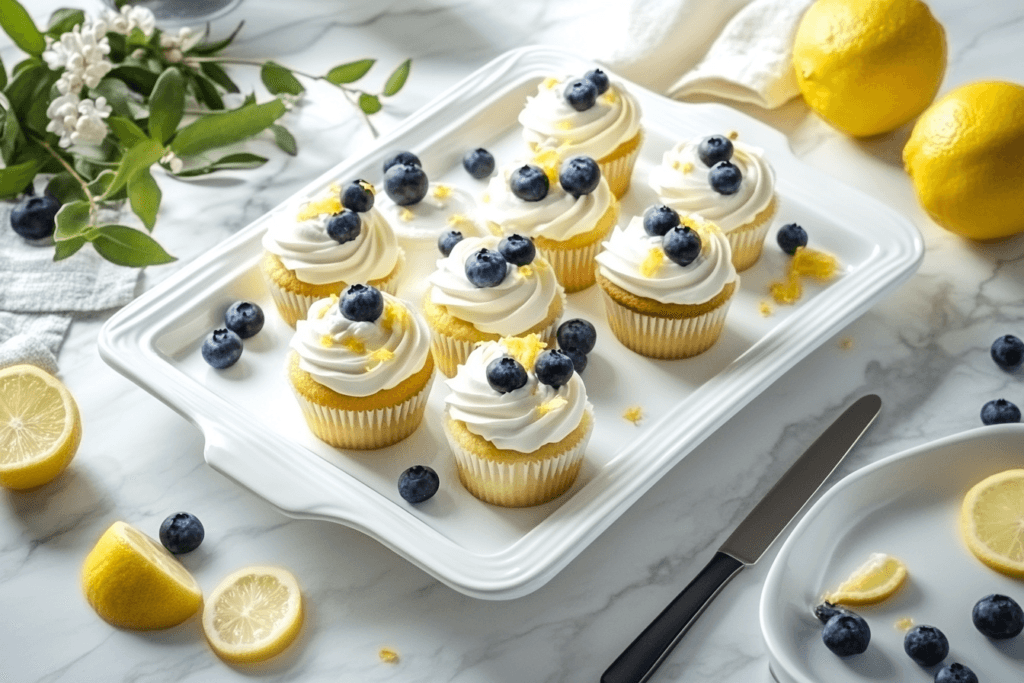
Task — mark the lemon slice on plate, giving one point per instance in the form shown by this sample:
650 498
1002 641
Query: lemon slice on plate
253 614
992 522
874 581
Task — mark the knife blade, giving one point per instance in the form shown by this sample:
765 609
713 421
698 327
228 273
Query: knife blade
747 544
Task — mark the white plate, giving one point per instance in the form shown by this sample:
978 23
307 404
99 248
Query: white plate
906 505
255 434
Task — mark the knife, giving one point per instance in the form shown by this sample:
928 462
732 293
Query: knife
747 543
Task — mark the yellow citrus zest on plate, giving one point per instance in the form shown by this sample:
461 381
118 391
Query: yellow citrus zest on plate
992 522
904 624
634 414
874 581
655 257
765 308
40 427
814 263
253 614
387 655
524 349
786 291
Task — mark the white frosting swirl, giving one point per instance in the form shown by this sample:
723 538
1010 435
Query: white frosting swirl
549 121
347 356
514 421
627 250
516 304
689 191
444 208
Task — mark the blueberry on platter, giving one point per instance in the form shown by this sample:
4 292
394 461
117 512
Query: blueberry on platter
998 616
581 94
517 250
418 483
34 217
827 610
244 318
999 411
182 532
222 348
955 673
725 178
357 196
576 334
361 303
506 374
478 162
579 176
406 184
846 634
713 149
447 240
578 358
407 158
529 183
791 237
1008 352
926 645
486 268
553 368
345 226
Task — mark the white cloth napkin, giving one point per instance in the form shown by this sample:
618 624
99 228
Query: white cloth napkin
734 49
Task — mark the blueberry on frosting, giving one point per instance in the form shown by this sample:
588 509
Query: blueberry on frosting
486 268
406 184
579 176
344 227
506 374
725 177
681 245
447 240
553 368
658 220
598 78
517 250
581 94
478 162
529 183
361 303
358 196
713 149
407 158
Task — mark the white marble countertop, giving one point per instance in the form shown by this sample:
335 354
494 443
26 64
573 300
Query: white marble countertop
925 350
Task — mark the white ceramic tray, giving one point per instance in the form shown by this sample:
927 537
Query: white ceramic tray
908 506
255 434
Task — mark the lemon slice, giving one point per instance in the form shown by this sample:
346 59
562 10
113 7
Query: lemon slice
40 427
132 582
874 581
253 614
992 522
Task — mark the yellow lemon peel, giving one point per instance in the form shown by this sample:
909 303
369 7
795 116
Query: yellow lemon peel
442 191
322 205
354 345
992 522
548 406
652 262
524 349
406 215
549 83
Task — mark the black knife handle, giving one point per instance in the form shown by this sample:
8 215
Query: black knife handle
645 654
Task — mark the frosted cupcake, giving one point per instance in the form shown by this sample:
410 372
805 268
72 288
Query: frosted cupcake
476 295
328 246
361 368
518 421
723 181
567 209
666 285
589 116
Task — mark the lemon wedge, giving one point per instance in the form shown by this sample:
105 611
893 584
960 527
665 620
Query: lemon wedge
992 522
133 582
253 614
874 581
40 427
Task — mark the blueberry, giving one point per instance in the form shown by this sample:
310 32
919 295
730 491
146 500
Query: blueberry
955 673
846 634
681 245
579 176
478 162
554 368
827 610
506 374
447 241
517 250
418 483
598 78
406 184
407 158
576 335
725 178
358 196
1008 352
222 348
529 183
361 303
578 358
713 149
344 227
486 268
998 617
999 411
658 220
33 217
581 94
182 532
790 237
926 645
244 318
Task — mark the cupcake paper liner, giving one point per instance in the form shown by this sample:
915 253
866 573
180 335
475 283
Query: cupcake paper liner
618 171
575 269
451 352
667 338
747 244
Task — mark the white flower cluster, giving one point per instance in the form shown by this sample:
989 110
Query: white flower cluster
175 46
129 19
78 121
82 53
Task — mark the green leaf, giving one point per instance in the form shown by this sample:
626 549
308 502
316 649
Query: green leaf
139 79
218 75
126 131
144 195
239 161
397 78
34 117
20 27
12 137
118 96
216 130
206 92
3 75
128 247
143 155
25 83
101 183
166 105
72 220
63 20
284 139
369 103
65 248
349 73
215 46
14 179
118 47
280 80
65 188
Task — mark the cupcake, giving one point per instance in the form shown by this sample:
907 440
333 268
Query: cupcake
518 421
567 212
336 239
477 294
667 284
361 368
723 181
590 116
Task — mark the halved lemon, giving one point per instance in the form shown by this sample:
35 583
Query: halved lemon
253 614
875 580
40 427
992 521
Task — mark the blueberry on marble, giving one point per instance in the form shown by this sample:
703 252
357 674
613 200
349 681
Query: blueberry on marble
181 533
999 411
581 94
681 245
578 358
725 178
478 162
846 634
447 240
827 610
998 616
407 158
357 196
486 268
955 673
713 149
791 237
576 334
406 184
222 348
244 318
926 645
345 226
361 303
659 219
418 483
517 250
554 368
1008 352
598 78
579 176
34 217
529 183
506 374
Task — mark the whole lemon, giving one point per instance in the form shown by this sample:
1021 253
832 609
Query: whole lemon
869 66
966 158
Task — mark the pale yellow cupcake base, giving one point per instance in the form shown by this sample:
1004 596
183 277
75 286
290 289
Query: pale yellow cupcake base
747 241
617 167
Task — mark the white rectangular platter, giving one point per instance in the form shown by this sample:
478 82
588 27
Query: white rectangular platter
255 433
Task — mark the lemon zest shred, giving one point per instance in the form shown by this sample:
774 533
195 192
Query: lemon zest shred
551 405
786 291
687 167
394 314
765 308
610 97
457 219
815 264
319 206
524 349
733 134
327 341
564 125
442 191
904 624
525 271
378 357
406 215
549 83
486 198
387 655
354 345
634 414
651 264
